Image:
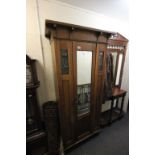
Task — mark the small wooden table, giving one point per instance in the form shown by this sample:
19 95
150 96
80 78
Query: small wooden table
114 113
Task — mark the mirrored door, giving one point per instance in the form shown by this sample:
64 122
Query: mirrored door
84 55
84 72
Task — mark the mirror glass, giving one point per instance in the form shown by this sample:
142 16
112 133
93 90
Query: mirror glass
119 68
84 65
114 55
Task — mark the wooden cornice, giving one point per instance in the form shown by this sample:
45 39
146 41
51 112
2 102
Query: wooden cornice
52 25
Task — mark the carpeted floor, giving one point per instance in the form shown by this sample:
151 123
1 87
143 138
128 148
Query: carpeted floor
113 140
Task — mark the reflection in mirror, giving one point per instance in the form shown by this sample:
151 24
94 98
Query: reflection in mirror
84 65
119 68
114 55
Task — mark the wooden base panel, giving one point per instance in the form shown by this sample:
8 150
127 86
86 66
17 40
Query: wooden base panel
105 116
81 140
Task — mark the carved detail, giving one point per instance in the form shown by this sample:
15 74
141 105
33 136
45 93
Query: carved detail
100 61
64 61
52 127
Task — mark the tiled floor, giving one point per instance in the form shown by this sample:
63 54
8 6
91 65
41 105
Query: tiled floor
113 140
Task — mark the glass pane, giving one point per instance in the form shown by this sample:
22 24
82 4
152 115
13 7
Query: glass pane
100 61
64 61
84 65
119 68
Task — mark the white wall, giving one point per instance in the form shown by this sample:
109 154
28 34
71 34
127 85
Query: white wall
120 8
54 10
33 45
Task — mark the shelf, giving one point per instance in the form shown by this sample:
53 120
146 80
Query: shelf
30 86
116 92
35 136
105 116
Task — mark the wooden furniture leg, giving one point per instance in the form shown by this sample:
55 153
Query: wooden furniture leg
117 102
111 110
122 103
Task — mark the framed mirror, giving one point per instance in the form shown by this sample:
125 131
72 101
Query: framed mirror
84 69
114 58
118 74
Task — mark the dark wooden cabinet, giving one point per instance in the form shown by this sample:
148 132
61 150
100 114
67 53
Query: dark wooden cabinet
33 120
36 140
79 57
